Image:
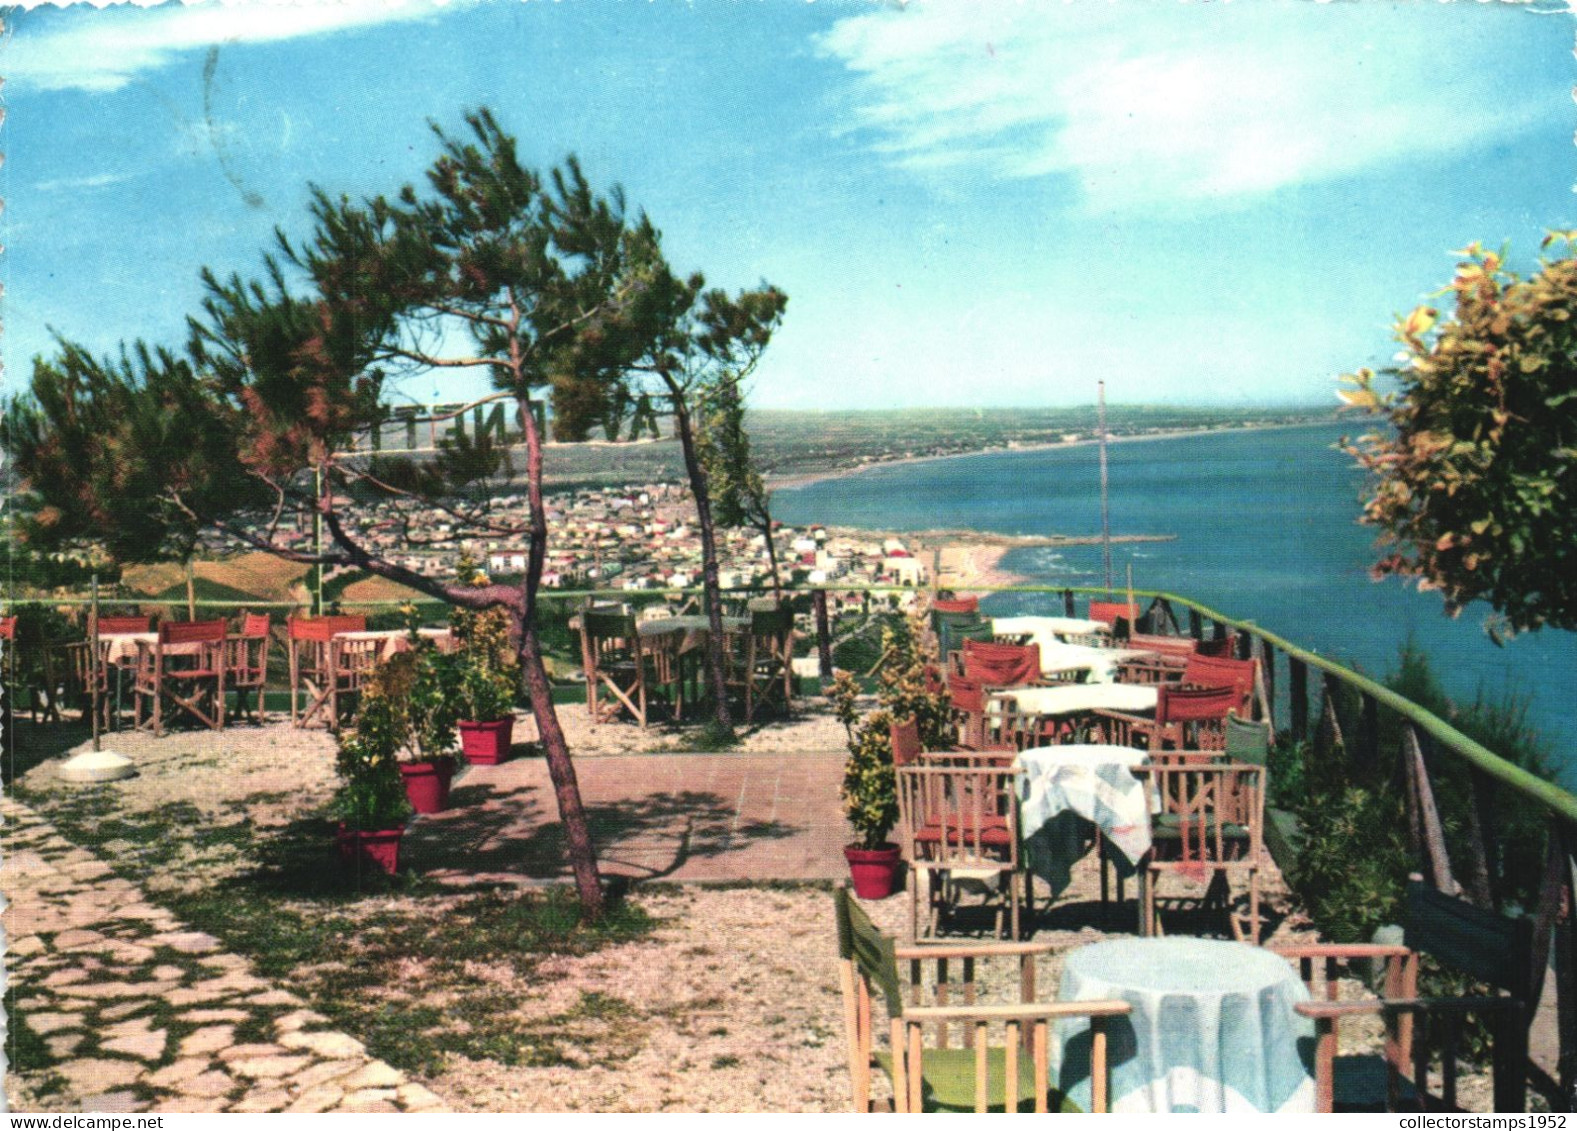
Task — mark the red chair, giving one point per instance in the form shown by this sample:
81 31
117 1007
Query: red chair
1001 665
313 664
7 628
116 626
246 663
1000 731
958 605
1186 718
1110 612
1213 671
185 664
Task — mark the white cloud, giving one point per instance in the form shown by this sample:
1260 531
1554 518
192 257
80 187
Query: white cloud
1170 103
105 50
78 184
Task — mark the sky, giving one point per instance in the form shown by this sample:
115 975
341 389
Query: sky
974 204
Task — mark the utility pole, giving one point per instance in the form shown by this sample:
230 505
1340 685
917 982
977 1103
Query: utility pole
1106 524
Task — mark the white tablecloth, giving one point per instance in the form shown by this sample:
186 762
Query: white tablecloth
1073 698
396 640
1061 788
1048 630
1212 1027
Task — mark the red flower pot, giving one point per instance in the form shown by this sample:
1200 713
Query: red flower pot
380 846
427 784
873 870
487 744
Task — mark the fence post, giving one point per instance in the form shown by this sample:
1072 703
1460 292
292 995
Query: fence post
1067 602
1298 677
1421 799
1566 965
1481 886
823 634
1196 624
1369 730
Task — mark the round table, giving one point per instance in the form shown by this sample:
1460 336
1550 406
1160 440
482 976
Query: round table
1212 1028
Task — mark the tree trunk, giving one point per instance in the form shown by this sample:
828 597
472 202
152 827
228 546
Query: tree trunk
772 560
716 673
577 834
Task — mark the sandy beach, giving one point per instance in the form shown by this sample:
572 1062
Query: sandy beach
805 479
966 567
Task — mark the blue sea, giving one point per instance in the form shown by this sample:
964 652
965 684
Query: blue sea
1266 529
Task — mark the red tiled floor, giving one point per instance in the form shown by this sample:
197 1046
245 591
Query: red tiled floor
680 817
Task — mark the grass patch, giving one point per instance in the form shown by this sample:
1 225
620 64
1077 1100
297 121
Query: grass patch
417 972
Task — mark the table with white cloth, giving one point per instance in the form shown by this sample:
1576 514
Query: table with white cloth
392 641
1212 1029
121 647
1063 790
692 629
1058 709
1059 658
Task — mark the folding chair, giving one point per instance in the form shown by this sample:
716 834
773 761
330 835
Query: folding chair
960 823
611 657
312 665
246 664
186 665
761 666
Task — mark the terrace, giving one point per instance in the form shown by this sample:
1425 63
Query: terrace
247 975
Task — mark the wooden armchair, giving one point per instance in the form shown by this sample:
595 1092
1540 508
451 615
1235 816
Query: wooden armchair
979 1071
68 678
993 665
1111 612
185 666
761 668
960 828
312 666
613 661
1209 826
1490 949
115 626
1185 718
984 724
246 663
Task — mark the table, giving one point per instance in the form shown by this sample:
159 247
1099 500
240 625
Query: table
693 629
1080 698
1062 790
395 640
1212 1027
1048 630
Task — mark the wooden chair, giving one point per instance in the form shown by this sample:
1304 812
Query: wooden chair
186 665
952 629
613 660
68 675
956 605
312 665
962 1065
1185 718
1209 826
1110 612
1248 743
1001 665
1173 652
1491 949
961 828
999 729
116 626
246 663
761 667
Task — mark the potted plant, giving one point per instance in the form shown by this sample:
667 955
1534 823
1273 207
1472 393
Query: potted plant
870 784
407 714
486 679
870 801
371 804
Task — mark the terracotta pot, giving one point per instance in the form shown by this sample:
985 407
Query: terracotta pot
487 744
427 784
380 846
873 870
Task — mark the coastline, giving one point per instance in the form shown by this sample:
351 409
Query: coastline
805 479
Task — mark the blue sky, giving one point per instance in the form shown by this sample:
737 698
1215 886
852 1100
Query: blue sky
975 204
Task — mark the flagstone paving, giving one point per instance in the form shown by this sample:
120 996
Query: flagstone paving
140 1013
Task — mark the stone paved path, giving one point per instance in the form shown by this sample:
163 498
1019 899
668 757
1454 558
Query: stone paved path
142 1014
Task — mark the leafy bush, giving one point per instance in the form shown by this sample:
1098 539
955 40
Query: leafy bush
488 673
870 787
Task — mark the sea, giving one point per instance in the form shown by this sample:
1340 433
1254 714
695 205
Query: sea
1266 529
